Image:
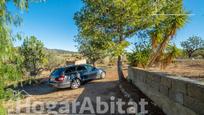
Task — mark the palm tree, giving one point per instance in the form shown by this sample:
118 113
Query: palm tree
169 28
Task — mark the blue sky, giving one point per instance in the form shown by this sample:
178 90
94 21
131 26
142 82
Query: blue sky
52 22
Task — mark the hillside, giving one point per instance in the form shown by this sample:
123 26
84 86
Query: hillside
60 51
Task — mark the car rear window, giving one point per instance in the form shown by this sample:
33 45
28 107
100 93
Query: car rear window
57 72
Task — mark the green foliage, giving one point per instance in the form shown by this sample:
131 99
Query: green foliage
34 55
192 44
117 50
140 54
199 53
162 33
93 49
53 61
2 109
173 50
115 19
118 20
170 53
10 60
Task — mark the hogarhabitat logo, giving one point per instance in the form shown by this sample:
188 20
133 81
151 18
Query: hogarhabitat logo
86 105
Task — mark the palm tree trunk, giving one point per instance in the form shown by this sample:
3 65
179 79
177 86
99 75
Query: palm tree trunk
159 51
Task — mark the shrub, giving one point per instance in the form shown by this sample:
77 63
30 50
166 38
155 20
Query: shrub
140 55
2 109
199 54
170 53
54 61
33 52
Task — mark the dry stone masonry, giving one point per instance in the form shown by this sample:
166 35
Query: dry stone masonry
174 95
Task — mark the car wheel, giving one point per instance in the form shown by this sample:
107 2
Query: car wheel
103 75
75 83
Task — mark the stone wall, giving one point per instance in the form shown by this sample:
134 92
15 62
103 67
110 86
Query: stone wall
174 95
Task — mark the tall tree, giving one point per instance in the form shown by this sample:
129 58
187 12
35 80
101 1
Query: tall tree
192 44
34 55
117 19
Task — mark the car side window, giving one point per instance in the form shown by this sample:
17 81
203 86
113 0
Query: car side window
70 70
89 68
81 68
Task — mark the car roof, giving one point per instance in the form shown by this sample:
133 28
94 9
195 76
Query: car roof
72 66
76 65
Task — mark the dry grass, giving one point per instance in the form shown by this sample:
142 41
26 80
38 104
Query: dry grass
187 68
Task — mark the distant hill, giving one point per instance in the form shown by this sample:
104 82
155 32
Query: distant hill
60 51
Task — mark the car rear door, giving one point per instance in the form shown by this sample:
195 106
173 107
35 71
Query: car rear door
69 71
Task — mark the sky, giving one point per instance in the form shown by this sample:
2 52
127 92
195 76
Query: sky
52 22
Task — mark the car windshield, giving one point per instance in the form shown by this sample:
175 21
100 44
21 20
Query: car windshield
57 72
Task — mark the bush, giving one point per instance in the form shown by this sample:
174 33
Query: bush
54 61
2 109
140 55
33 53
171 52
199 54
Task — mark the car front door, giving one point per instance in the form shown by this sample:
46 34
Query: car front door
92 72
84 74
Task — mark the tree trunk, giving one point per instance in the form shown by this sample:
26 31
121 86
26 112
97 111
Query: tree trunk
120 63
33 71
159 51
120 69
189 55
94 63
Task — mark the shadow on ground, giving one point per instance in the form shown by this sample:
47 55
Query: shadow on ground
107 90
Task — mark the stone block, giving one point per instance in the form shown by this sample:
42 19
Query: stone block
195 91
179 86
134 79
177 97
194 105
164 90
156 78
140 78
154 86
166 82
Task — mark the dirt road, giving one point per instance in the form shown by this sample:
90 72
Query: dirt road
48 100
